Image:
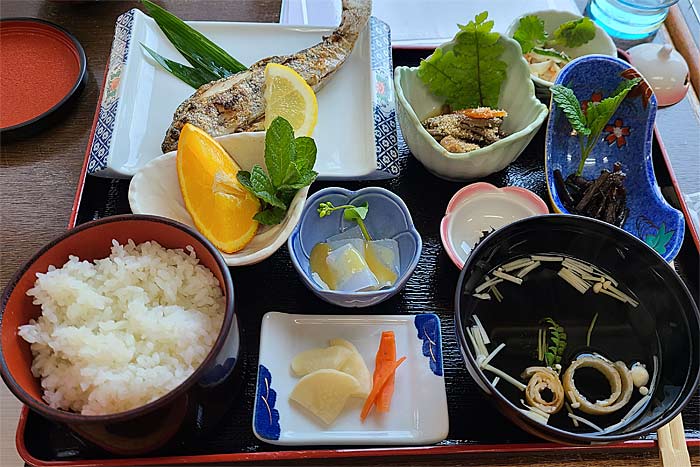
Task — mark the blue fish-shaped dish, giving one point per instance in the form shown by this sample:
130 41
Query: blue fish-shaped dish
627 138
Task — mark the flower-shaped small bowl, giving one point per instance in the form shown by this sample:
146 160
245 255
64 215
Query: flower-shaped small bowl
627 139
155 190
525 116
388 217
601 43
482 207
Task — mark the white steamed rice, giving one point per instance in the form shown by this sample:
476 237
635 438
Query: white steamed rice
122 331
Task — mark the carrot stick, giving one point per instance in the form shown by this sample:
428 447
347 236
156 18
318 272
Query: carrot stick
386 372
386 355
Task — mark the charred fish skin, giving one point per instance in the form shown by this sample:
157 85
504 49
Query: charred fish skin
236 103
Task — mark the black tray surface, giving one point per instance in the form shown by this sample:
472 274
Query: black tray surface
431 288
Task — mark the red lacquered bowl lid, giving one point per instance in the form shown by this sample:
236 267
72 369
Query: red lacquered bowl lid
41 67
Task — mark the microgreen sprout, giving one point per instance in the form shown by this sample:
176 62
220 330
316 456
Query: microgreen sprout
350 213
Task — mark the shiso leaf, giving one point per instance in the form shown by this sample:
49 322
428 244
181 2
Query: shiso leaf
472 73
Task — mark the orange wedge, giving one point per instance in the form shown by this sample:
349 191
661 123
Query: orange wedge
221 208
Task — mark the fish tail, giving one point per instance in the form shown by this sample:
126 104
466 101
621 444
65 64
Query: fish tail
354 18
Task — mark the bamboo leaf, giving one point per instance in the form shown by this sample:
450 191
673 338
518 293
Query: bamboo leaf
195 77
195 47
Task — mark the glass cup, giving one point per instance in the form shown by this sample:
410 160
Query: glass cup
629 21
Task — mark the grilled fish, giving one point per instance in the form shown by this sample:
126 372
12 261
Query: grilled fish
236 103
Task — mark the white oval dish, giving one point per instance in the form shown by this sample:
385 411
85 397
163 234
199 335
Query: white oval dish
155 190
600 44
482 207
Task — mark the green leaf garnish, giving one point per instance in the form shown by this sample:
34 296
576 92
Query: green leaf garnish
280 150
569 104
263 187
289 163
204 55
530 32
589 125
574 33
195 77
270 216
471 74
350 213
533 38
553 353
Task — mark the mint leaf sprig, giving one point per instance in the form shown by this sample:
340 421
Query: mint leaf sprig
350 213
533 38
589 125
289 163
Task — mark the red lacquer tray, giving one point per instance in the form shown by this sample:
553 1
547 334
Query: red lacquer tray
431 288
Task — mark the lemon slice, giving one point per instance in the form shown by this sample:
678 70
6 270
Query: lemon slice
221 208
288 95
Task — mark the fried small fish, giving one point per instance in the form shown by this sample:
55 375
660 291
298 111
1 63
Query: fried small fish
478 126
236 103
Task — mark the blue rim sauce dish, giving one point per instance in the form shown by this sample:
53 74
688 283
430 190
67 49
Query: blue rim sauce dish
388 218
627 139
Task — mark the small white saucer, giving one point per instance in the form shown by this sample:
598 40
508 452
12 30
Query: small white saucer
155 190
418 408
481 207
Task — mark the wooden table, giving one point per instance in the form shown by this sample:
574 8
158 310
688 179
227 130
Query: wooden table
38 178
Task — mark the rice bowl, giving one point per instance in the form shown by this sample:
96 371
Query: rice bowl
122 331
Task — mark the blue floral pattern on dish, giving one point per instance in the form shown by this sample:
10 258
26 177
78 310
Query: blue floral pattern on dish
385 133
266 417
428 327
107 114
627 138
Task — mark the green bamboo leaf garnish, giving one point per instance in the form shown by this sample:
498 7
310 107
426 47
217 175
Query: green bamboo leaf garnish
195 77
199 51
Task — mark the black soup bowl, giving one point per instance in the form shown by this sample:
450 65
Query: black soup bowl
662 332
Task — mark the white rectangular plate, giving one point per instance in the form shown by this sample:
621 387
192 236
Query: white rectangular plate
356 129
418 408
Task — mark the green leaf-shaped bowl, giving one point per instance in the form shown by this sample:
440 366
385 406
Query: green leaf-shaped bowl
517 97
